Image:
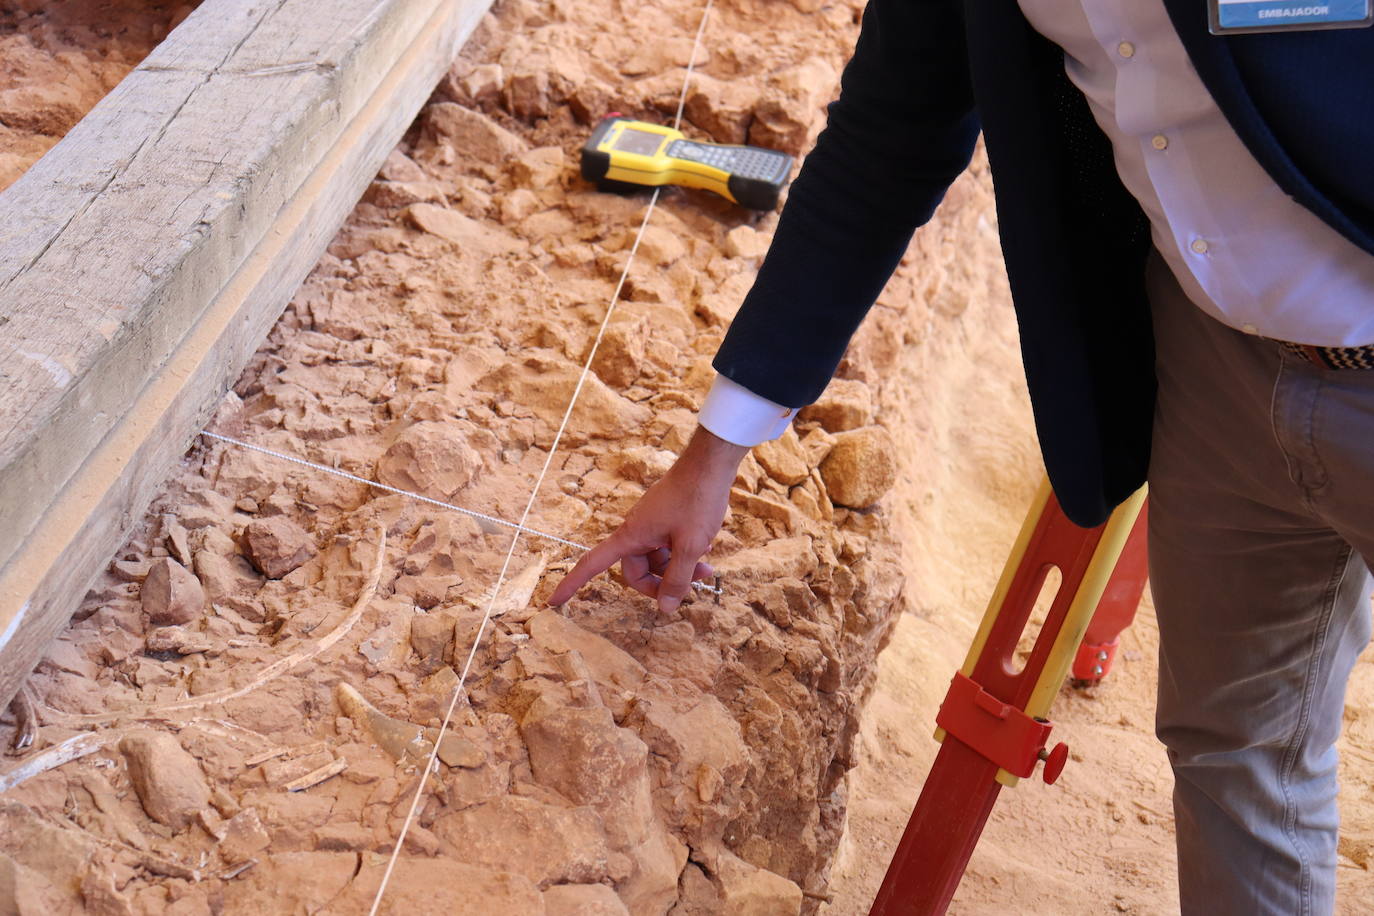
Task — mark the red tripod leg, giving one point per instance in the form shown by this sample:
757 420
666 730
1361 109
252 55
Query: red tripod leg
1117 608
992 723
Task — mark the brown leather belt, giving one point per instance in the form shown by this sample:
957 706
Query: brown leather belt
1333 357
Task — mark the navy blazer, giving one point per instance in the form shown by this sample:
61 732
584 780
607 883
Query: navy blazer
926 75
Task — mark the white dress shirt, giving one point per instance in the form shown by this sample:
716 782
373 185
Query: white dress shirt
1243 251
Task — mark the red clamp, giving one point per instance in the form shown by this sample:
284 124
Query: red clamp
1000 732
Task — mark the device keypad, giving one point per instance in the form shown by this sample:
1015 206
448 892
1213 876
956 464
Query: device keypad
744 161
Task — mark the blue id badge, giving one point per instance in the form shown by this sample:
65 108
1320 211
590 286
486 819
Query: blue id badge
1231 17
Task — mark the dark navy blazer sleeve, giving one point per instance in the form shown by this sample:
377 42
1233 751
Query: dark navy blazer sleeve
902 130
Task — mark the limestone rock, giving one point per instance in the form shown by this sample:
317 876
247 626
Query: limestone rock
431 458
583 900
644 464
419 885
747 890
99 894
721 108
477 135
527 95
660 246
400 167
430 637
793 557
483 84
585 756
783 459
846 404
468 234
277 545
517 205
546 386
25 892
658 862
168 780
539 168
620 358
546 843
171 594
179 640
860 468
225 578
745 242
779 125
243 836
611 666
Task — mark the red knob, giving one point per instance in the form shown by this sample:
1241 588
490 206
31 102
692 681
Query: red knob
1054 763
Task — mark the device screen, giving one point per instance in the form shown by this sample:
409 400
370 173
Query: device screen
638 141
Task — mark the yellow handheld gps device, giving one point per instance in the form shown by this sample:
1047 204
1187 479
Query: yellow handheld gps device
623 155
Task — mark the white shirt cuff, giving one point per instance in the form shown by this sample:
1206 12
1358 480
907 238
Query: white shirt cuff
737 415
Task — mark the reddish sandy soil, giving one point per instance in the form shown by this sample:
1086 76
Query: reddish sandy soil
57 59
256 666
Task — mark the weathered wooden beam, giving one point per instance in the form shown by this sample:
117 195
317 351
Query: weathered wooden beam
147 255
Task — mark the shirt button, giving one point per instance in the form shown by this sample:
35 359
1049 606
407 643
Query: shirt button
1249 329
1159 141
1126 49
1199 246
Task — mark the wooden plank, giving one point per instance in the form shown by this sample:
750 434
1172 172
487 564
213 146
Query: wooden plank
131 311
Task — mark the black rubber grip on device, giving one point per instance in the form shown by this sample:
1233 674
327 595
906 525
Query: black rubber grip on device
595 164
754 193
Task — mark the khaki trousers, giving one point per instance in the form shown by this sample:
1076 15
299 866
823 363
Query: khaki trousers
1261 536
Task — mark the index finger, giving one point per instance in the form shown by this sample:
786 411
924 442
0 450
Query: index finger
593 563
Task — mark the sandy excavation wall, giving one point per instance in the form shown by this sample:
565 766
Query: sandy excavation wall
245 692
57 59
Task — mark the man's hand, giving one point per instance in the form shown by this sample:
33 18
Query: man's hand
668 531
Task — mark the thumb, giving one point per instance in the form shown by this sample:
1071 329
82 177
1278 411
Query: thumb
677 580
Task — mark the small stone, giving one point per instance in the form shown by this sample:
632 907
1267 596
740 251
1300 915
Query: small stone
457 751
430 637
500 834
242 836
660 246
846 404
517 205
179 640
745 242
747 890
130 570
101 897
709 783
583 900
171 594
860 468
483 84
400 167
584 756
619 360
527 95
431 458
168 780
783 459
539 168
344 837
478 136
722 108
644 464
277 545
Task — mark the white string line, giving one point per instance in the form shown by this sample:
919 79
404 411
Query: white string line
399 492
691 64
419 497
431 763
